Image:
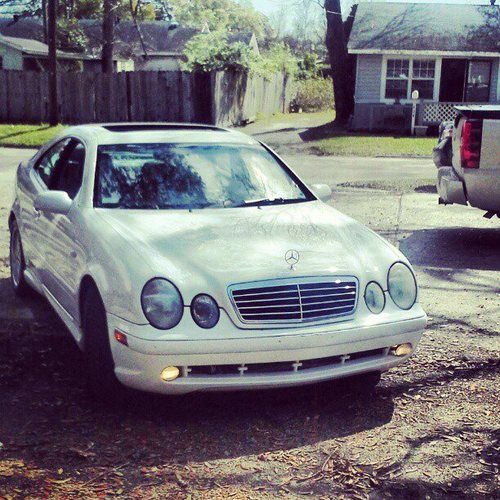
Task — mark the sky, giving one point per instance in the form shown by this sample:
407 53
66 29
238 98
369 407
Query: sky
269 6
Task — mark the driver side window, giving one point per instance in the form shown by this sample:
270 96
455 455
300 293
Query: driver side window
61 167
46 166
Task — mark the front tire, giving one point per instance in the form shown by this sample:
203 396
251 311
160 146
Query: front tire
17 262
99 365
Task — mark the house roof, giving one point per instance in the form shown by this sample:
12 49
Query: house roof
32 47
157 36
426 27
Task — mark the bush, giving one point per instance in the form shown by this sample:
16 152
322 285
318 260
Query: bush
314 94
309 66
211 51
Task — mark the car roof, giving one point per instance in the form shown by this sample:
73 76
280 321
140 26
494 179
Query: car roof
129 133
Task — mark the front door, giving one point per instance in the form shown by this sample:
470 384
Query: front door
61 245
453 73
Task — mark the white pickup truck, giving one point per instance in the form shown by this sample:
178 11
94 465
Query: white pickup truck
469 172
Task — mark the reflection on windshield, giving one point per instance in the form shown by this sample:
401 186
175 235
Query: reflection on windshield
163 176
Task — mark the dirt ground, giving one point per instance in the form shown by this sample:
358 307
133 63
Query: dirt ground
430 430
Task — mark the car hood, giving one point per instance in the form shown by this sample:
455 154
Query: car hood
205 251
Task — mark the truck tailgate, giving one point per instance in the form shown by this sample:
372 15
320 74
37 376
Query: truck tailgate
490 147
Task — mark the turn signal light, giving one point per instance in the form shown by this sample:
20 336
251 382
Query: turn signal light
121 337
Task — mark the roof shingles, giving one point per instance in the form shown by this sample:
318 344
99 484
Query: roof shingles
426 26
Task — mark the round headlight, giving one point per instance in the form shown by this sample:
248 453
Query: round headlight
162 303
402 285
374 297
205 311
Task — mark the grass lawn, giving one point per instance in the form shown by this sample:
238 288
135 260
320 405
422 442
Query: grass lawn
374 145
27 136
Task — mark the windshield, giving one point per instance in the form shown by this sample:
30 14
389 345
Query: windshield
177 176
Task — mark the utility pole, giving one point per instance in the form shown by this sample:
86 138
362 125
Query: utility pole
52 42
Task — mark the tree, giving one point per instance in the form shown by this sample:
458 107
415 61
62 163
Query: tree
52 41
220 15
336 44
108 34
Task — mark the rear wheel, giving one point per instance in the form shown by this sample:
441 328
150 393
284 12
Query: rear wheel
100 368
17 262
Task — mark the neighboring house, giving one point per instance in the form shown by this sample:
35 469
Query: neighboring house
154 46
450 53
32 55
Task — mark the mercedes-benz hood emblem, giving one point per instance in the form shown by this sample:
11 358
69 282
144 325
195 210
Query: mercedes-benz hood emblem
292 257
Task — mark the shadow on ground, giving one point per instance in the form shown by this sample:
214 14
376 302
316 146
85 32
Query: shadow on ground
459 248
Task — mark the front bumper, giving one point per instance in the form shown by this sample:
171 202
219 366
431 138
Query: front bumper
345 348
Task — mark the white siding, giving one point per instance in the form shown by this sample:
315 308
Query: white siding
11 58
368 78
495 81
163 63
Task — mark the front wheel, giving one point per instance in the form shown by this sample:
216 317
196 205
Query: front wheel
17 262
100 368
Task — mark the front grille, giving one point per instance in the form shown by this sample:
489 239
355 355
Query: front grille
295 301
245 370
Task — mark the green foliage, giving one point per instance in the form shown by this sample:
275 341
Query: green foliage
70 35
308 66
314 94
220 15
278 58
212 51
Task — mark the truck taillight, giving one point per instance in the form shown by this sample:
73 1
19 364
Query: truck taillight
470 146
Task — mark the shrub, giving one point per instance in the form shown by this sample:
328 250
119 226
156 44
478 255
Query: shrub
308 66
313 94
211 51
277 58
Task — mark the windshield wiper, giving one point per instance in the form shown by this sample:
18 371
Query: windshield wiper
269 201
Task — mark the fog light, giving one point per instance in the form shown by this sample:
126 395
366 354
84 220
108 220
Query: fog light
169 373
402 349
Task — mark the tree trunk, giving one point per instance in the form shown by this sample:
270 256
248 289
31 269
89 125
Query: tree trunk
336 45
108 35
52 42
44 21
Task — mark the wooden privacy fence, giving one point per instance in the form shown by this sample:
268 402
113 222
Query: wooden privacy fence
221 98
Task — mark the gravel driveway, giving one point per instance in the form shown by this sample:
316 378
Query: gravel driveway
431 429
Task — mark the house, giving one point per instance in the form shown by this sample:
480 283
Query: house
450 53
32 55
153 45
150 46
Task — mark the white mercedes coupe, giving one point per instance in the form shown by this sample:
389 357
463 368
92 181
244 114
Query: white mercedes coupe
192 258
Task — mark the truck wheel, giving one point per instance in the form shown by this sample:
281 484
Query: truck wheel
17 263
99 365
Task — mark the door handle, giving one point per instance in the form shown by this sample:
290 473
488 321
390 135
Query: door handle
36 213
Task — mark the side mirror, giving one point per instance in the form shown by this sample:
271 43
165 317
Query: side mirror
55 202
322 191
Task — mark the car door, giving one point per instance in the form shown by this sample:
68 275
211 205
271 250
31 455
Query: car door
37 180
61 244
